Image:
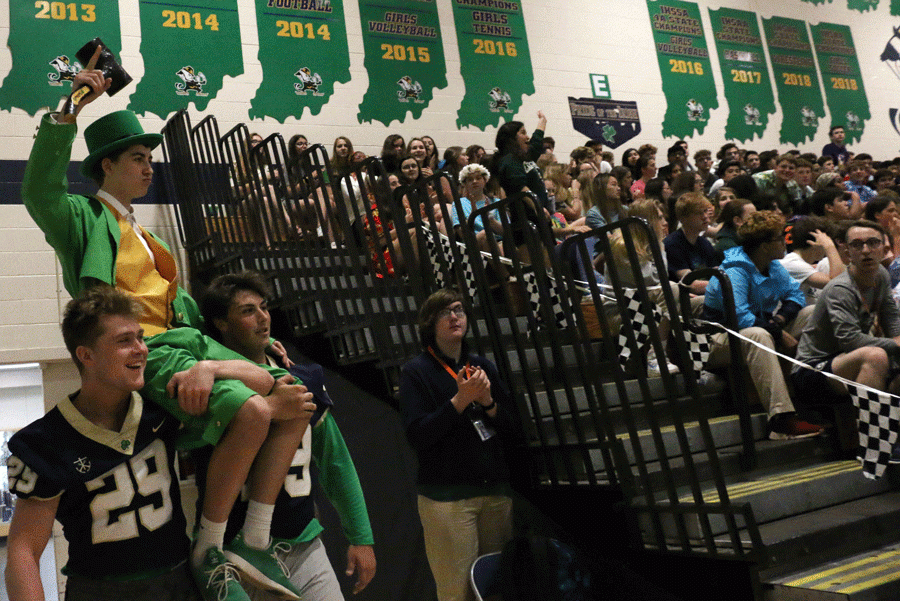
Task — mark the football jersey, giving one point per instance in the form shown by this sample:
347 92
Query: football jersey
119 496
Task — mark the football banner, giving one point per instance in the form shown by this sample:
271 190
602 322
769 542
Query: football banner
495 61
43 38
687 79
189 46
303 52
796 79
745 73
844 90
404 58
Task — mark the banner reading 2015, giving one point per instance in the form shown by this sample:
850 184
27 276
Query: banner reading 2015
795 79
44 37
843 81
683 57
494 60
303 52
745 73
404 58
188 46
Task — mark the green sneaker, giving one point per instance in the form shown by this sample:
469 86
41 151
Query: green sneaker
217 579
262 567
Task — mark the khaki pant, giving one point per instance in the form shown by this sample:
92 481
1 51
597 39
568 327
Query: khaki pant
764 367
457 533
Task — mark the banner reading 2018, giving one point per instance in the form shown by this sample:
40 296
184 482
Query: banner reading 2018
303 52
44 37
795 79
843 81
188 46
683 57
745 73
494 60
404 58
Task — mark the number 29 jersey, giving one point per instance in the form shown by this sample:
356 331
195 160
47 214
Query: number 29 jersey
119 497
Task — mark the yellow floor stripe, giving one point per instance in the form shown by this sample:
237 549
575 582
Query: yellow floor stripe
845 569
667 429
743 489
893 575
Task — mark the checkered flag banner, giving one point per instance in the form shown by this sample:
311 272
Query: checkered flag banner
639 322
879 422
534 297
444 248
698 347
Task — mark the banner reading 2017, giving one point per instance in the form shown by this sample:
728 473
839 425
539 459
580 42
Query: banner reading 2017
683 57
843 81
303 52
44 37
494 60
745 73
188 46
404 58
795 79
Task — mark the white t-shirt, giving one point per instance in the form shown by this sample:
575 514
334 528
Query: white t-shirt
800 270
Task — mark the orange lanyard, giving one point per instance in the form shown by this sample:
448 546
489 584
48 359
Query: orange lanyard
447 367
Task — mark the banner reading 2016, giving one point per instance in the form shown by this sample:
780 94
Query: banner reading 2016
404 58
188 46
795 79
303 52
843 81
44 37
745 73
683 57
494 60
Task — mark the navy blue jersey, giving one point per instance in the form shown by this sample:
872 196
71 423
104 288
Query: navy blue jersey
119 497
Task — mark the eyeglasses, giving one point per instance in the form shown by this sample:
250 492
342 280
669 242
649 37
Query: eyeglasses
873 243
459 312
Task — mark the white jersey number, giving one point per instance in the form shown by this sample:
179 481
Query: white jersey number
297 483
150 470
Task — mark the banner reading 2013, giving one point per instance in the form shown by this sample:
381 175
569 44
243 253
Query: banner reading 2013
44 37
494 60
683 57
188 46
404 58
303 52
795 79
745 73
843 80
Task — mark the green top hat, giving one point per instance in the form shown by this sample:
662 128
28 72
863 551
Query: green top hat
112 133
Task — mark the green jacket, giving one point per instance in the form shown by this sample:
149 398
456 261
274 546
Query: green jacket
81 230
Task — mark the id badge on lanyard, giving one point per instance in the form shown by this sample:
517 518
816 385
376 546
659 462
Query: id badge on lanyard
485 432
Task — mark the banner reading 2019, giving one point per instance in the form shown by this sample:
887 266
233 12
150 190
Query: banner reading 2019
494 60
303 53
683 57
44 37
404 58
189 46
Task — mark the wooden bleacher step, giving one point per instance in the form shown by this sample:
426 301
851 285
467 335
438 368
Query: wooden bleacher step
870 576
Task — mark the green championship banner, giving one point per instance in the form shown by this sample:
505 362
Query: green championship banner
404 58
44 37
795 79
188 46
844 90
494 60
303 52
687 79
862 5
745 73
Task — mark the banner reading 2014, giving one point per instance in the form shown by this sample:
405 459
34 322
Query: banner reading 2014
44 37
188 46
683 57
303 52
843 81
795 79
494 60
404 58
745 73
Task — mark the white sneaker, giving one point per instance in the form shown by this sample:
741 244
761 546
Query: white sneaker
653 368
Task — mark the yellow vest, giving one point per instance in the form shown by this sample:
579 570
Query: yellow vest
153 286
